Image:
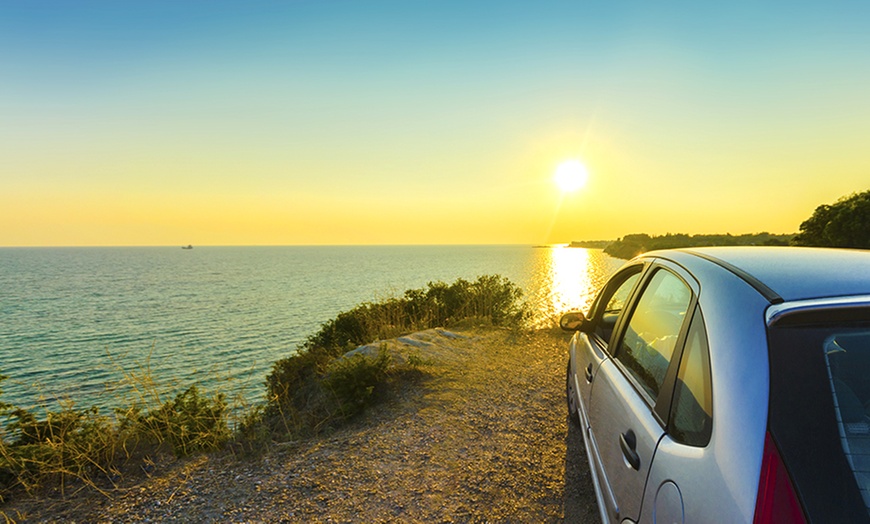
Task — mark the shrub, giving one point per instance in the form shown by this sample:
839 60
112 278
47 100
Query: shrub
189 422
312 388
295 400
352 380
490 297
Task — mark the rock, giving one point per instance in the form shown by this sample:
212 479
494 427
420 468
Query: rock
414 342
422 344
448 334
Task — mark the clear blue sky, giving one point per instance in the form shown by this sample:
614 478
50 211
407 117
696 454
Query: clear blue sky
424 122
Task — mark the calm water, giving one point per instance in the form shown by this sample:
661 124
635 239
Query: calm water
71 318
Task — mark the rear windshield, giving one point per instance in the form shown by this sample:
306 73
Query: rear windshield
847 355
820 415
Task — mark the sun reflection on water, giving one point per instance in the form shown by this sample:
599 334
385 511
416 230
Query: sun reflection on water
568 279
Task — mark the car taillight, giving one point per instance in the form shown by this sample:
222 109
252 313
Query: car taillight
777 501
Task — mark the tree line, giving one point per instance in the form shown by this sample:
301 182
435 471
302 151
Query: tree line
844 224
630 246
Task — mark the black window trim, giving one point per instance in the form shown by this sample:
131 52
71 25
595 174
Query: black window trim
696 312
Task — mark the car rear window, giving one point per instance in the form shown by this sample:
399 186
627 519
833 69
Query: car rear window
847 355
819 415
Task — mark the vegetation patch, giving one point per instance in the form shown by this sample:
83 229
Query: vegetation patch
630 246
845 223
316 388
85 448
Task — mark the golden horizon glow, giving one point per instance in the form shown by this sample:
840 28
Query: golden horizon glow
571 175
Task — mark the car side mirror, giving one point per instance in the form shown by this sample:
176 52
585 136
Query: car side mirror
573 321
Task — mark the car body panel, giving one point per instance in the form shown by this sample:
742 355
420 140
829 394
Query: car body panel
735 323
616 413
621 413
586 358
835 272
734 320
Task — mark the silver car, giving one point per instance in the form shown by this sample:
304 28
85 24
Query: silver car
727 385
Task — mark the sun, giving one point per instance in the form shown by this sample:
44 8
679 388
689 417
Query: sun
571 175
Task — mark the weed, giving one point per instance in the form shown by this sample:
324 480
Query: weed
415 361
189 422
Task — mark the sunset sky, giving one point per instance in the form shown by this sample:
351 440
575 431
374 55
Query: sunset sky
416 122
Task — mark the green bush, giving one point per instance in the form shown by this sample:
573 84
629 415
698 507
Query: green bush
490 297
295 400
352 380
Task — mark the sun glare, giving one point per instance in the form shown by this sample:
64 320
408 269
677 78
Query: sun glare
571 175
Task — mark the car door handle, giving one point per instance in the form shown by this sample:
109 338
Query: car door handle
589 373
628 443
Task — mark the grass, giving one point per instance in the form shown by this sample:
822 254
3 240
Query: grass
86 448
309 392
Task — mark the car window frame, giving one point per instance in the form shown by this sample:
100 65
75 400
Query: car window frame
661 405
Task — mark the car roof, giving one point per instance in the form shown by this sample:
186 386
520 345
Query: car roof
790 273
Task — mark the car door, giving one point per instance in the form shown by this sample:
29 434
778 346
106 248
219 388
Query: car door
624 428
588 349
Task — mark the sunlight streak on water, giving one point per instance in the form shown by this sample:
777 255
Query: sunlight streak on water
567 280
571 280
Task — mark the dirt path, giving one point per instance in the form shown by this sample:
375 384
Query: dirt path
480 437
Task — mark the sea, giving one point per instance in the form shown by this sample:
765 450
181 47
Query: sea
79 327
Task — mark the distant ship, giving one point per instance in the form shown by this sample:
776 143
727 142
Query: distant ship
188 246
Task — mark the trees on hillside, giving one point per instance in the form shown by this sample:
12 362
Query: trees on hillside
845 223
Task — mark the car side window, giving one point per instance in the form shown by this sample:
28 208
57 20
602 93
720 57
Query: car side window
653 330
615 304
692 406
620 296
